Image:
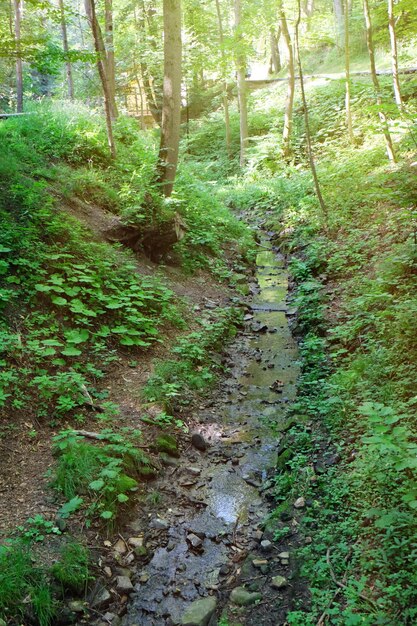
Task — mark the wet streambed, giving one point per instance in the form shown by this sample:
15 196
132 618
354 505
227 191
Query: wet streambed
215 501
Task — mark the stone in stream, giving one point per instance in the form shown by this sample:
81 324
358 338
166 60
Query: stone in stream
266 545
159 524
278 582
199 612
123 584
241 597
198 441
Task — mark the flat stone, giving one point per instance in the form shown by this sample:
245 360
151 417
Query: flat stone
76 606
241 597
299 503
259 563
159 524
120 547
200 612
101 599
195 541
278 582
123 584
135 542
195 471
284 555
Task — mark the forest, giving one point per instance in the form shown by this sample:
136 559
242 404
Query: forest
208 280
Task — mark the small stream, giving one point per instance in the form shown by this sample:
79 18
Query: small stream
213 501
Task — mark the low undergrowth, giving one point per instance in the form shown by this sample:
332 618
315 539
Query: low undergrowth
176 382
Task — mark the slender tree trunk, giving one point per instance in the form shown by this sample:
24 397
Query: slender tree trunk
224 81
109 45
289 102
171 107
347 77
371 51
68 66
275 56
306 120
19 65
153 102
98 46
394 54
241 84
338 14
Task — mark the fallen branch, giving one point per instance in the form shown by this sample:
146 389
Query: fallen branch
362 596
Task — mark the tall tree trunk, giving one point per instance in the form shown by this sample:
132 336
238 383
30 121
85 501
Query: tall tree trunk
224 81
241 84
275 65
19 65
68 66
394 54
101 66
171 106
338 14
306 120
289 102
154 103
371 51
110 65
347 76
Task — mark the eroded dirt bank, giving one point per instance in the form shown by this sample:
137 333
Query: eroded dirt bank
205 549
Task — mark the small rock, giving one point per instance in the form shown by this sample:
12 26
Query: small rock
259 563
135 542
101 598
108 571
308 540
278 582
123 584
241 597
140 552
266 546
159 524
258 534
200 612
109 617
144 577
195 471
198 441
76 606
120 547
284 555
299 503
195 541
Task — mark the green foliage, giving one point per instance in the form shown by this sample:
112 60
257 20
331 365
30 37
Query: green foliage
175 382
23 586
37 527
72 568
104 475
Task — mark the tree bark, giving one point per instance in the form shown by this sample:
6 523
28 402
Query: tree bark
371 52
68 66
275 65
241 84
109 46
19 64
394 54
154 103
338 14
289 102
347 76
307 122
171 105
99 48
224 81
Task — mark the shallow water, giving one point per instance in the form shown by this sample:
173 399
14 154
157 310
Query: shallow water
242 426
